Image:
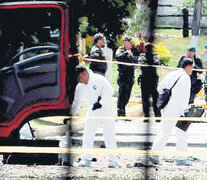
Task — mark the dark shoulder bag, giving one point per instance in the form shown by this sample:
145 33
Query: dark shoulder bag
165 97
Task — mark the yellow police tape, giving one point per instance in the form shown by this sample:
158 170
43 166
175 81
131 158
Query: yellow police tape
195 119
201 104
82 59
139 65
119 151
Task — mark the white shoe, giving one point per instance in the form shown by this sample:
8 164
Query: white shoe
183 163
154 159
84 163
113 164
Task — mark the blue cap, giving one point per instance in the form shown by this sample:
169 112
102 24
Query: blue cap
205 46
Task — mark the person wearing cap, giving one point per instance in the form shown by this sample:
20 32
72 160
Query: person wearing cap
126 74
97 53
196 83
176 107
205 81
205 53
98 94
149 74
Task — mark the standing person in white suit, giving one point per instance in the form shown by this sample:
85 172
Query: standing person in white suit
98 93
176 106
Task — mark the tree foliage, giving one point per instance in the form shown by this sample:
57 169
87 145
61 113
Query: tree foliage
189 4
140 21
105 16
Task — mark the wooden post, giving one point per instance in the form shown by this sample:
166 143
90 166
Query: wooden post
153 13
84 46
185 23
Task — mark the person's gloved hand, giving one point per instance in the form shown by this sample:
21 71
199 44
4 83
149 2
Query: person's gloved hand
96 105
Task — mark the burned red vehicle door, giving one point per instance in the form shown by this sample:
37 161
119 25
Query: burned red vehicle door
33 56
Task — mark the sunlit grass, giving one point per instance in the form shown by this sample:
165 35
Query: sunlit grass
43 122
171 32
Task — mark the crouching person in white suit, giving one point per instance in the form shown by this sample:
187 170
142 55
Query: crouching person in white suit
97 92
176 106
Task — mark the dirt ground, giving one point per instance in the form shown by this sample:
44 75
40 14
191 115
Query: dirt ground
100 171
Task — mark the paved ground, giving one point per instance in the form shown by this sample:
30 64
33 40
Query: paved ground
133 133
130 134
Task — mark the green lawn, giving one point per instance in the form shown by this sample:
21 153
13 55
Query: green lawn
171 32
178 46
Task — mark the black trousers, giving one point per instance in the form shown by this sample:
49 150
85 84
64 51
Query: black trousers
125 88
147 90
196 85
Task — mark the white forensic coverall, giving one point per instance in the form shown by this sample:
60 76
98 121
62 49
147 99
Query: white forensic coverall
97 86
176 106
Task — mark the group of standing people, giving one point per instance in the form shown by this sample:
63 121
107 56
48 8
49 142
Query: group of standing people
148 77
98 93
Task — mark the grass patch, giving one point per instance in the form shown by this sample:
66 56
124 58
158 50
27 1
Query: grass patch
178 47
40 122
172 32
135 89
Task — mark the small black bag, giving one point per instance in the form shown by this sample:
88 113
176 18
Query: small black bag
165 97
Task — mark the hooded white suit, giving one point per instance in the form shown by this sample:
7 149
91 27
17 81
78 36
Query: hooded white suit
175 108
97 86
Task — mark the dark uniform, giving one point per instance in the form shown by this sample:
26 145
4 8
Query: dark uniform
97 53
149 80
98 67
205 87
196 84
205 82
125 78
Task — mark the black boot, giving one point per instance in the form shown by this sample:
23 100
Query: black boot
121 112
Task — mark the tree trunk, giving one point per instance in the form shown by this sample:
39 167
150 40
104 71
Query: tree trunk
153 13
74 8
196 24
196 17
